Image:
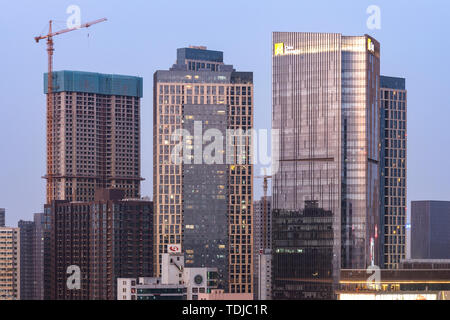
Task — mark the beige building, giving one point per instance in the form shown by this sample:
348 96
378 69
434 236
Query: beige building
206 209
9 263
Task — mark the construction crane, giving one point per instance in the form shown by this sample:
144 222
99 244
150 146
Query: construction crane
265 188
50 51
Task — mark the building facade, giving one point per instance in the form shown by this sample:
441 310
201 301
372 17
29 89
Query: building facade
217 295
326 111
94 135
204 204
9 263
105 239
393 171
176 282
27 282
303 253
430 223
429 283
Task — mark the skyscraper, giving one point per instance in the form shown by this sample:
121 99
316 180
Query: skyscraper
106 239
326 110
2 217
393 171
96 135
27 234
205 208
10 263
430 225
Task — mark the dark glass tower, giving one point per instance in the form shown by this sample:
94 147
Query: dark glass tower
430 225
205 236
27 239
326 110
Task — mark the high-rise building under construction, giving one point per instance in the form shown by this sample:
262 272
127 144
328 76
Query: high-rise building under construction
95 135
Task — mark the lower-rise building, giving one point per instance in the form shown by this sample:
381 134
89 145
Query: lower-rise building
401 284
9 263
430 224
262 239
27 265
302 262
264 262
176 283
149 289
95 243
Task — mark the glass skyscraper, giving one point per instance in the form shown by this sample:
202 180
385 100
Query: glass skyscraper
326 110
206 209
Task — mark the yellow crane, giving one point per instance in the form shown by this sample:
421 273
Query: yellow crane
50 50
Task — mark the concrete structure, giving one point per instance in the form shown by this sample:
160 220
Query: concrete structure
96 135
9 263
172 268
108 238
393 171
27 265
327 112
221 295
194 201
2 217
199 280
148 289
430 225
176 282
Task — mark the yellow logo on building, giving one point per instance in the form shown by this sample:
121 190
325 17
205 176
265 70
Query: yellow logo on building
370 45
279 49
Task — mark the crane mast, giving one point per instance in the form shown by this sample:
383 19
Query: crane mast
50 138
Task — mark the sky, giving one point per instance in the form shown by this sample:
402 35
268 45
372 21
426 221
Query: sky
141 37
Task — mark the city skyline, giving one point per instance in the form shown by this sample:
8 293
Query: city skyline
136 153
100 39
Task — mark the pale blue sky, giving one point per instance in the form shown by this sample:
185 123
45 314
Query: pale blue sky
142 36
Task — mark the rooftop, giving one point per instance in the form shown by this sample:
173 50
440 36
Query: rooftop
97 83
